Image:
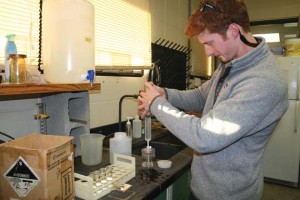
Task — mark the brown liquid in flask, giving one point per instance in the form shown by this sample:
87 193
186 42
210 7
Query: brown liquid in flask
17 68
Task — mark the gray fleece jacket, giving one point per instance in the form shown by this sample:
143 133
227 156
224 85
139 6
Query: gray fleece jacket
232 133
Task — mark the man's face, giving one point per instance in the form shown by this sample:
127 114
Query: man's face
216 45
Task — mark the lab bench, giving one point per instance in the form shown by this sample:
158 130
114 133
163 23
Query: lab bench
141 188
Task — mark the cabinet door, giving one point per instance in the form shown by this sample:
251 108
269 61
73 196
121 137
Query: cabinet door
181 187
162 196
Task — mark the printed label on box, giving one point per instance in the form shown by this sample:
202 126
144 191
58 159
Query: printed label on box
21 177
67 183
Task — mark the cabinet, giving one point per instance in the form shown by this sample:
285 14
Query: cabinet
67 107
179 190
181 187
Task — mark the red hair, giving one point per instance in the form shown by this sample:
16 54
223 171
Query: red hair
233 11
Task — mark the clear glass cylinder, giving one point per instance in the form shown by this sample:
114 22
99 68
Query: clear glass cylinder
148 129
17 68
148 155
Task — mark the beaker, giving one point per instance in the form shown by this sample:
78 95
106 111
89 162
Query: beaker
17 68
91 148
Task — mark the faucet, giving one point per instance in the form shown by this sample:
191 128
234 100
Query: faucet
89 76
154 76
120 107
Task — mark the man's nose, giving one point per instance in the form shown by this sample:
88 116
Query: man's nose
209 51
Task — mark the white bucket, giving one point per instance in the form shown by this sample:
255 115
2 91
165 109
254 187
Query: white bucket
121 144
292 47
68 40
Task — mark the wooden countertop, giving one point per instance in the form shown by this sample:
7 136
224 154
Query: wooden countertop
35 88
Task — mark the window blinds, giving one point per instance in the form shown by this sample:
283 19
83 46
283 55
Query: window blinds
20 17
122 31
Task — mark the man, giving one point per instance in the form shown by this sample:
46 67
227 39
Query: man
240 105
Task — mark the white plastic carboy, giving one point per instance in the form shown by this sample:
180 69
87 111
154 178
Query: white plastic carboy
68 41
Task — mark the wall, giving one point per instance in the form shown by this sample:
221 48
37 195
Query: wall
16 117
168 21
258 10
104 107
272 9
200 63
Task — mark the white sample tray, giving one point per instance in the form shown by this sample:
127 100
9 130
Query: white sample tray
101 182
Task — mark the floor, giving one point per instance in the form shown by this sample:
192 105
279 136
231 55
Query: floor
274 191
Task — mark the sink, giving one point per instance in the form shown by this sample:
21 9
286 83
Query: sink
165 147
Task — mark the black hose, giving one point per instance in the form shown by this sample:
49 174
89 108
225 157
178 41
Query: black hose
7 135
40 38
120 107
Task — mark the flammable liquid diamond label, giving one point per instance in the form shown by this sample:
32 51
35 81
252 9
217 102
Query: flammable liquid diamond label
21 177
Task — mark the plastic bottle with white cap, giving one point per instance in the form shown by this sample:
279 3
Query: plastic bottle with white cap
137 127
128 128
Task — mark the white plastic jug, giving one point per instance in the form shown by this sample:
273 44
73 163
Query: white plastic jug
91 146
121 144
68 40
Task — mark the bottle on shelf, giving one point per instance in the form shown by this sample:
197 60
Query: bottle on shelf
10 48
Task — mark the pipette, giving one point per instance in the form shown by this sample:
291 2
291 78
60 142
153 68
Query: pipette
148 129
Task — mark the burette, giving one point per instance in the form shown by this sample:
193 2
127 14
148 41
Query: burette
147 121
153 76
148 129
148 153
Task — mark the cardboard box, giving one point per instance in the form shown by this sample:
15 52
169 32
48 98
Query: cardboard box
37 166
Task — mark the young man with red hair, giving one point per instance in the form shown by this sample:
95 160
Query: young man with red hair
241 105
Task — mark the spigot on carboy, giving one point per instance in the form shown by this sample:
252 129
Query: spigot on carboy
89 76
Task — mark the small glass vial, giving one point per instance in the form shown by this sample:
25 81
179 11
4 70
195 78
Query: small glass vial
17 68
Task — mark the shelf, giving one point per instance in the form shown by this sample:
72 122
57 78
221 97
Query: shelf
34 88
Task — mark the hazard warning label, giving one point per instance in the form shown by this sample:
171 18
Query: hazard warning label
21 177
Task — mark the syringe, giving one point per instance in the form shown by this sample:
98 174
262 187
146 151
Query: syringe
148 129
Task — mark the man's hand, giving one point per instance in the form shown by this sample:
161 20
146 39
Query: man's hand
145 98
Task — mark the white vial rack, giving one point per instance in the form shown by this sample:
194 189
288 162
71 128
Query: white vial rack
101 182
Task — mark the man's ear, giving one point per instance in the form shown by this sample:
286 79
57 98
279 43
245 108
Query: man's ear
233 29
